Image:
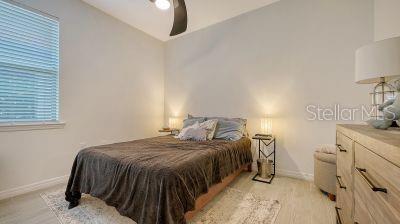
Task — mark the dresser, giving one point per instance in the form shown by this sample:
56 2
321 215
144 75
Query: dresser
368 175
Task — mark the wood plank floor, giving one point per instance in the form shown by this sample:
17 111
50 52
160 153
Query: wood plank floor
301 201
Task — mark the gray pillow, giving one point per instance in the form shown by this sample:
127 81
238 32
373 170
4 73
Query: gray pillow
230 130
240 120
191 116
191 121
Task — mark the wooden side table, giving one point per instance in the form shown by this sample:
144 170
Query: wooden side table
267 141
170 131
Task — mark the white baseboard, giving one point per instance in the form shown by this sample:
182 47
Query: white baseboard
294 174
33 187
289 173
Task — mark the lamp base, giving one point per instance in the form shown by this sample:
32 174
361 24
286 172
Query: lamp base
383 91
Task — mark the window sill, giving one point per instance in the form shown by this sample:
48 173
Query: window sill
11 127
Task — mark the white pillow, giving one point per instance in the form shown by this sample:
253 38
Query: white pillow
189 132
210 126
184 130
196 134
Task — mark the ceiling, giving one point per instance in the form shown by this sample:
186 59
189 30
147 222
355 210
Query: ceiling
144 15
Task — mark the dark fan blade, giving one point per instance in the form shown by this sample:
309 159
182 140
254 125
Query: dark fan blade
180 18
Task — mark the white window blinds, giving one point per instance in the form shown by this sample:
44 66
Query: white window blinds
29 62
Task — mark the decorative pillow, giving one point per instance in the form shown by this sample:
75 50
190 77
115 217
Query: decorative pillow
182 133
192 120
210 126
196 134
230 130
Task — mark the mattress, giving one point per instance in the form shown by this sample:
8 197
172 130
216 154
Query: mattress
155 180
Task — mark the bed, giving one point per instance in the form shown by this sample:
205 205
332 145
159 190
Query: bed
159 180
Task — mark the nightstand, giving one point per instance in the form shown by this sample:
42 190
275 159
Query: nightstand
170 131
266 140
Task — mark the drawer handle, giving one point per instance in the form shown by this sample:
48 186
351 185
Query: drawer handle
340 183
341 149
362 172
339 220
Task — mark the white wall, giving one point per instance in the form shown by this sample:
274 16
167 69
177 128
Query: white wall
275 60
387 19
111 90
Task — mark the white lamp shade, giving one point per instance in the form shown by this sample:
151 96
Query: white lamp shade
175 123
377 60
266 126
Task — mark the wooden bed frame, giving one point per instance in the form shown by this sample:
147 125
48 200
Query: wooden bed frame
204 199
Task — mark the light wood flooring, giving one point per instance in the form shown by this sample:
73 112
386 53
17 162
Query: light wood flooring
301 201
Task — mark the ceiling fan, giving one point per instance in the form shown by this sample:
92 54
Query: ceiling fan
180 14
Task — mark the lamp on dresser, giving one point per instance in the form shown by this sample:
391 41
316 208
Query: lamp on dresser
379 63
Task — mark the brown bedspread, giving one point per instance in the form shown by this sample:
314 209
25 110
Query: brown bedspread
155 180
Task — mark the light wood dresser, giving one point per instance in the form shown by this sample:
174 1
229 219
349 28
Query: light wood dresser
368 175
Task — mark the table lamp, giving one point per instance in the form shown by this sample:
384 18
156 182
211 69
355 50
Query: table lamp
379 62
175 123
266 126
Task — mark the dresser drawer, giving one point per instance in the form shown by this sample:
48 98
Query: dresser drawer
345 164
341 216
377 186
361 213
344 203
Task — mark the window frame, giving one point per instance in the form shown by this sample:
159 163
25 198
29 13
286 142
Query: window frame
37 125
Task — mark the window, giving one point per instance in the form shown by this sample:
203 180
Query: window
29 65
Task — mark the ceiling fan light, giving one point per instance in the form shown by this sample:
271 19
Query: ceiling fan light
163 4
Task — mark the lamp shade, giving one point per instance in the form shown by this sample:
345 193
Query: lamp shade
175 123
266 126
378 60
